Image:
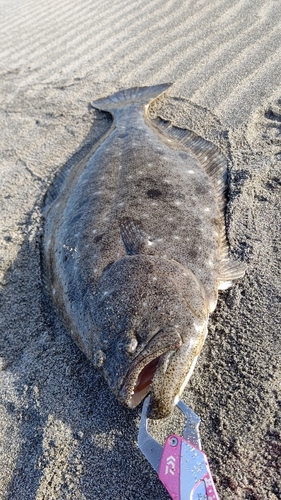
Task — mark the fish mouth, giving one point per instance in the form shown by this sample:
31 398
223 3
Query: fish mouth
164 376
163 368
142 381
139 377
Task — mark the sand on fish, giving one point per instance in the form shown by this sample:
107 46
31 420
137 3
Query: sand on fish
63 435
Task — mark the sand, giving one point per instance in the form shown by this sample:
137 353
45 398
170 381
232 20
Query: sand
63 435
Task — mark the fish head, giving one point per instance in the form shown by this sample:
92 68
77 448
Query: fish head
150 315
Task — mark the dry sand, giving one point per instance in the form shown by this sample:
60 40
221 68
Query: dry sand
62 434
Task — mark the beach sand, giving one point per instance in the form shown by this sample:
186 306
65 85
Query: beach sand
63 435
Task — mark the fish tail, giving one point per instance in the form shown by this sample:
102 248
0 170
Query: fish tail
130 96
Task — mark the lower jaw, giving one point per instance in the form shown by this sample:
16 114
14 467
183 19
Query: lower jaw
143 382
138 397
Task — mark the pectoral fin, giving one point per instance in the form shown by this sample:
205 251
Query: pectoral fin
135 240
230 271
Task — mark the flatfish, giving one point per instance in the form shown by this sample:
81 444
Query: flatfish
134 250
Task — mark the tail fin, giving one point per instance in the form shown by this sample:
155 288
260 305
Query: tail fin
130 96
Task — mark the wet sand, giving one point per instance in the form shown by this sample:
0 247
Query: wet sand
63 435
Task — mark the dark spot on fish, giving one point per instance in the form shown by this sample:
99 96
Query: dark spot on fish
183 155
192 253
123 135
98 238
153 193
201 189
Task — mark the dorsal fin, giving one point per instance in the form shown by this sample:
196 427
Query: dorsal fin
214 164
211 158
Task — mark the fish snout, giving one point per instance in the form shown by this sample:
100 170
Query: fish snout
172 375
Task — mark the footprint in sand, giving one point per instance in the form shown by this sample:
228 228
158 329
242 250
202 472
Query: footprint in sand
264 131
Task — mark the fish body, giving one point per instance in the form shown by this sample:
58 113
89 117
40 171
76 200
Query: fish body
135 252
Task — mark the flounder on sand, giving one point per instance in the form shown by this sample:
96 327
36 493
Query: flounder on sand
135 250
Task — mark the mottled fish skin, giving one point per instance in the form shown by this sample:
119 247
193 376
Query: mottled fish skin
134 251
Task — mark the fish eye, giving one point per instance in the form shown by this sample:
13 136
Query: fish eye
131 347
